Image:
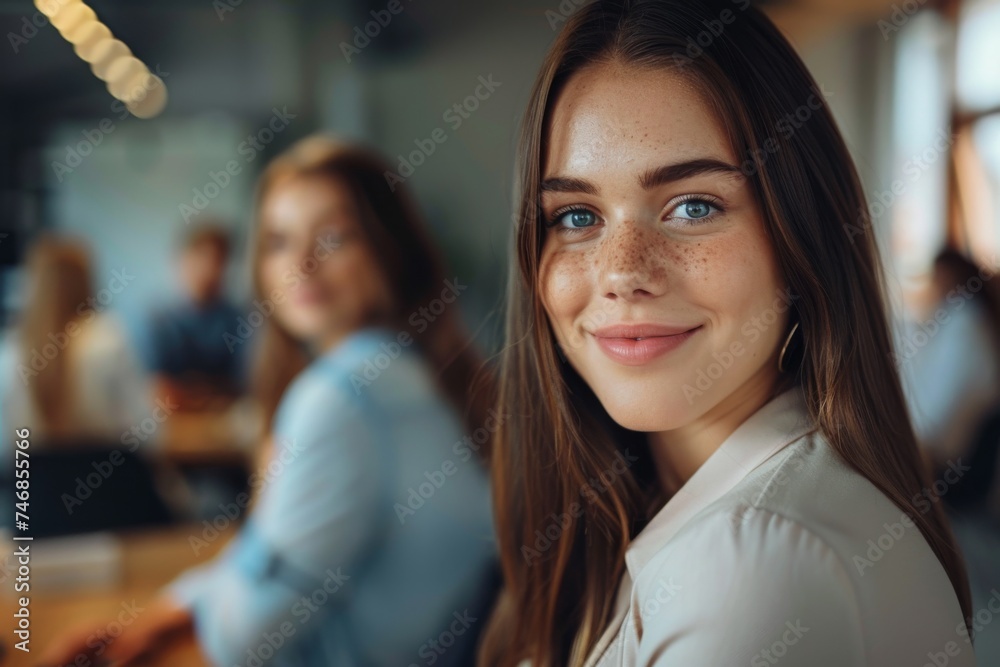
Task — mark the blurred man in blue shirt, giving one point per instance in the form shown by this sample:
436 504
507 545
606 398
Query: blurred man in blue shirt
186 349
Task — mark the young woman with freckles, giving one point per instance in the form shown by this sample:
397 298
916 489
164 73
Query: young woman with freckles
770 514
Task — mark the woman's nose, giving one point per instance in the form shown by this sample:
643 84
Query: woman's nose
631 263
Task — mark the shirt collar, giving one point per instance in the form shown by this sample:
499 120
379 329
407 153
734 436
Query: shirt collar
779 422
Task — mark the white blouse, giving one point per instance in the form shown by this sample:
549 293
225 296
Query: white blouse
108 390
775 552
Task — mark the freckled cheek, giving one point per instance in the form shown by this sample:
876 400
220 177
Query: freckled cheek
566 287
718 270
737 279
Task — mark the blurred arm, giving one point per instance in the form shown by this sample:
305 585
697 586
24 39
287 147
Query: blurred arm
314 520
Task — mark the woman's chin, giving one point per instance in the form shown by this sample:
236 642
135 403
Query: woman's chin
650 416
305 328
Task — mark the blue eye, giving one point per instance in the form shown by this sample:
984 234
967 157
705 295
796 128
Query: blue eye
576 218
694 209
331 239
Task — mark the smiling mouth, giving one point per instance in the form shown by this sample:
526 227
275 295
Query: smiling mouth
640 350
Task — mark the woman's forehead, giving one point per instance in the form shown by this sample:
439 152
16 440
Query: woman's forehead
611 116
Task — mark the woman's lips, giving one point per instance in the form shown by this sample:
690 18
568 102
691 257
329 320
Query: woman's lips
637 349
308 297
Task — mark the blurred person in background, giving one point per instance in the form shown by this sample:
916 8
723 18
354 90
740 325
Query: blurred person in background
186 349
340 557
68 373
950 363
950 357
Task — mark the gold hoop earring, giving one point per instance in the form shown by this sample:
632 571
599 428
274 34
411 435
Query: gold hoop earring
784 348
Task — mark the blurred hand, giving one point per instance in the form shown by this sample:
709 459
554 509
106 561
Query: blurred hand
160 621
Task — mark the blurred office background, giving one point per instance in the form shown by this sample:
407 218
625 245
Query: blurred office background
914 84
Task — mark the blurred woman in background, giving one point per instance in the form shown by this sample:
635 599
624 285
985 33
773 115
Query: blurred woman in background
342 558
69 373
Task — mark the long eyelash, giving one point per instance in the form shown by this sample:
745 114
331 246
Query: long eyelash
551 220
714 201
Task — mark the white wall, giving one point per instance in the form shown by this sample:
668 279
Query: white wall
125 196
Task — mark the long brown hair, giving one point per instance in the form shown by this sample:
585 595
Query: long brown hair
59 284
414 271
558 437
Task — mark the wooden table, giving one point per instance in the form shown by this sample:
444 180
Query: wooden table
202 438
150 560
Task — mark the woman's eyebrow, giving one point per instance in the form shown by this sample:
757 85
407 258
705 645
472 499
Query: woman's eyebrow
688 169
572 185
648 179
331 214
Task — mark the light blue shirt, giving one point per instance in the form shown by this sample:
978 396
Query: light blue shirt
372 533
